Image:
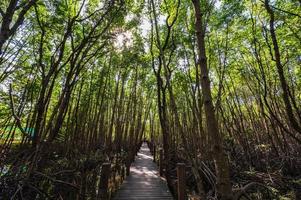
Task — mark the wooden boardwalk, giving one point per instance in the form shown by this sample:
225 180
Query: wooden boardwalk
144 182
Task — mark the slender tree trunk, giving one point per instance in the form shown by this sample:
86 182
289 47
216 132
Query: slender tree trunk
224 188
285 88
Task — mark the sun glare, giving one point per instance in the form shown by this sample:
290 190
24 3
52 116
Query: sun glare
123 40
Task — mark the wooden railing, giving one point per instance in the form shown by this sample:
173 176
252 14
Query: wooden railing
112 175
180 186
104 191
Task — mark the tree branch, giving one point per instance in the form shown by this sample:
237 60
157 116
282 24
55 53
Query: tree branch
17 118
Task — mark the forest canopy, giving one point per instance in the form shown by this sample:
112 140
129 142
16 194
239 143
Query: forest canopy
215 83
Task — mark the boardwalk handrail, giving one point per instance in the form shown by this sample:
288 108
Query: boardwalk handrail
181 181
103 192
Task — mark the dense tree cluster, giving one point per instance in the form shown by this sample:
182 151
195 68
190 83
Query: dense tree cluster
215 83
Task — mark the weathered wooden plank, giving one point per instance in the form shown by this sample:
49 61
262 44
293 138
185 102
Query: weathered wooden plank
144 181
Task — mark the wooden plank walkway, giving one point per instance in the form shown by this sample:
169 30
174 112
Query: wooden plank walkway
144 182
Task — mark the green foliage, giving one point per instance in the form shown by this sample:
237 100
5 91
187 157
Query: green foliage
94 58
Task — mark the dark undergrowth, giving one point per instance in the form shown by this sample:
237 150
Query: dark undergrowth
267 177
75 174
60 174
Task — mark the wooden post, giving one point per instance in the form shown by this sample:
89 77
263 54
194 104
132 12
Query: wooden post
103 193
154 152
181 181
161 162
123 172
128 167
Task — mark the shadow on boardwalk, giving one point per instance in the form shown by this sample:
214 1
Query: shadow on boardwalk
144 182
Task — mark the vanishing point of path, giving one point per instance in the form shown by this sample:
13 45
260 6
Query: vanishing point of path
144 182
